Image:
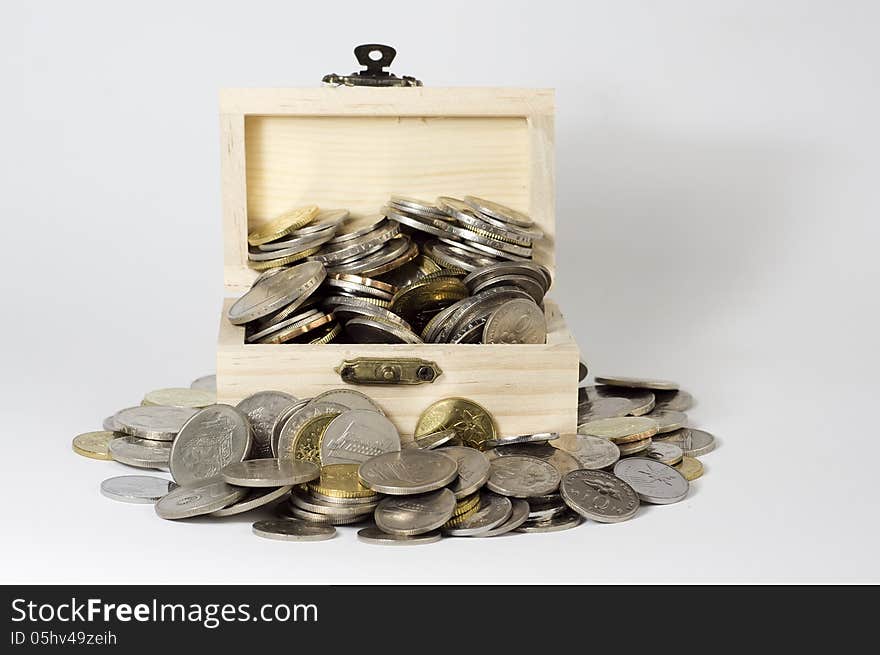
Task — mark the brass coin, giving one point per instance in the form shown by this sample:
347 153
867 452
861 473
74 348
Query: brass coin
466 504
95 445
180 397
690 467
282 261
620 430
328 336
633 447
341 481
420 301
283 225
471 422
307 440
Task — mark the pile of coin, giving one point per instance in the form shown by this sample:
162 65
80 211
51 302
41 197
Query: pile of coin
336 459
458 271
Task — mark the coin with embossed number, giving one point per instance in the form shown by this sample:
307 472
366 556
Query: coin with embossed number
262 408
269 472
591 452
357 435
473 469
216 436
654 482
417 514
143 489
373 535
185 502
522 476
598 495
411 471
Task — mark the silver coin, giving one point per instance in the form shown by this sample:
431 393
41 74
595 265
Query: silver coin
369 330
431 441
142 453
408 472
336 252
358 227
668 453
559 459
654 482
473 470
603 408
518 515
493 512
262 408
522 476
545 510
641 401
392 255
466 310
591 452
143 489
349 308
281 420
186 502
668 420
456 258
621 430
516 321
340 281
531 285
154 422
256 498
311 503
206 383
291 286
467 216
284 449
297 320
292 512
537 437
692 442
290 246
678 401
288 530
358 435
499 211
564 521
349 398
335 500
214 437
374 535
411 515
600 496
637 383
270 472
110 424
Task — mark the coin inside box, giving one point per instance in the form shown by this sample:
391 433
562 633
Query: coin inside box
351 148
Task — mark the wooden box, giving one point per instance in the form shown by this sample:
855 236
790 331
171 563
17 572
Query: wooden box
352 147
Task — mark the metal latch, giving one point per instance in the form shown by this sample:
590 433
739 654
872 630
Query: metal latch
388 370
375 57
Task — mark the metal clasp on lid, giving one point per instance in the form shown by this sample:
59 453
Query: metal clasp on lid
375 57
388 370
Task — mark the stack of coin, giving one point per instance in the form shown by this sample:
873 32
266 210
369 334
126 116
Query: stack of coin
384 281
336 459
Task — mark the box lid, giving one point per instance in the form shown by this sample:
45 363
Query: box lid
352 147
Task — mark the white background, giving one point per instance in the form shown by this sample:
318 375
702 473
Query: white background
717 209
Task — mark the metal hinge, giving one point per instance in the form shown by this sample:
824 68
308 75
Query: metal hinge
388 370
375 57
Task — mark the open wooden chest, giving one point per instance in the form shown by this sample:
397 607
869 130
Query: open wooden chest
352 147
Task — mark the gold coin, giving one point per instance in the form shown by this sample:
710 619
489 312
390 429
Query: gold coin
282 261
426 294
461 518
307 440
341 481
633 447
329 336
180 397
283 225
471 422
690 467
466 504
94 444
620 430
